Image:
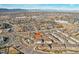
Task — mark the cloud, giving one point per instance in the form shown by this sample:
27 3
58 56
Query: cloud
41 6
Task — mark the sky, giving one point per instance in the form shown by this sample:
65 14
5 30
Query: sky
41 6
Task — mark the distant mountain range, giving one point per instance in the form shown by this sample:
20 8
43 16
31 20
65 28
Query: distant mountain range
11 10
35 10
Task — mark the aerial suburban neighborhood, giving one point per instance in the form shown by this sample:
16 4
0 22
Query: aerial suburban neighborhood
39 32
